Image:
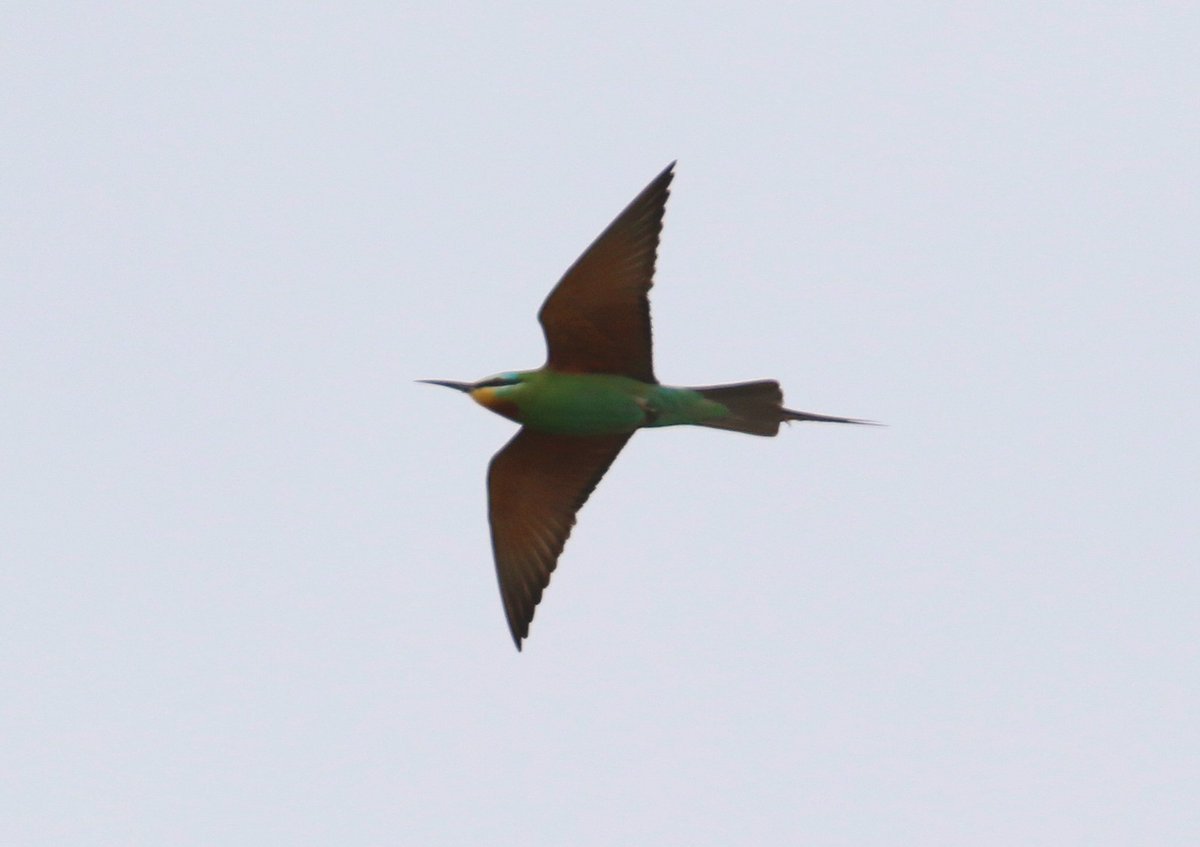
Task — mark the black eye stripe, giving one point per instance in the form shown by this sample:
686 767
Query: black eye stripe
495 382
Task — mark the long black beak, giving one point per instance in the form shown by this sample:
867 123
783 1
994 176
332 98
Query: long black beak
457 386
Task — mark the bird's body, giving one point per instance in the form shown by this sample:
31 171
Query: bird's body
593 404
595 390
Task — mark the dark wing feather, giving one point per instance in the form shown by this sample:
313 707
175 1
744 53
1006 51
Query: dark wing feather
536 484
597 319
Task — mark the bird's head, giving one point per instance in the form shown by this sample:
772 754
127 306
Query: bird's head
497 393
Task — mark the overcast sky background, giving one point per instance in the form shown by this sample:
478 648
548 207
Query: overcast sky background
246 594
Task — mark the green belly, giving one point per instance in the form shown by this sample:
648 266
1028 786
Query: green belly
602 404
583 404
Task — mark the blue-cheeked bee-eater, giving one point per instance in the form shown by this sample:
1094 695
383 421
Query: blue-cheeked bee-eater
596 388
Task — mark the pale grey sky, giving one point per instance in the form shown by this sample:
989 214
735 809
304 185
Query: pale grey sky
246 590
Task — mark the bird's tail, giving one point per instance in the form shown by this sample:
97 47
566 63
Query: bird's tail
756 408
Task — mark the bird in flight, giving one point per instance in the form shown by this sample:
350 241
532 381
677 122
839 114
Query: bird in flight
596 388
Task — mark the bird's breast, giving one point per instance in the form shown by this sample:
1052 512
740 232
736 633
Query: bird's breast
582 404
